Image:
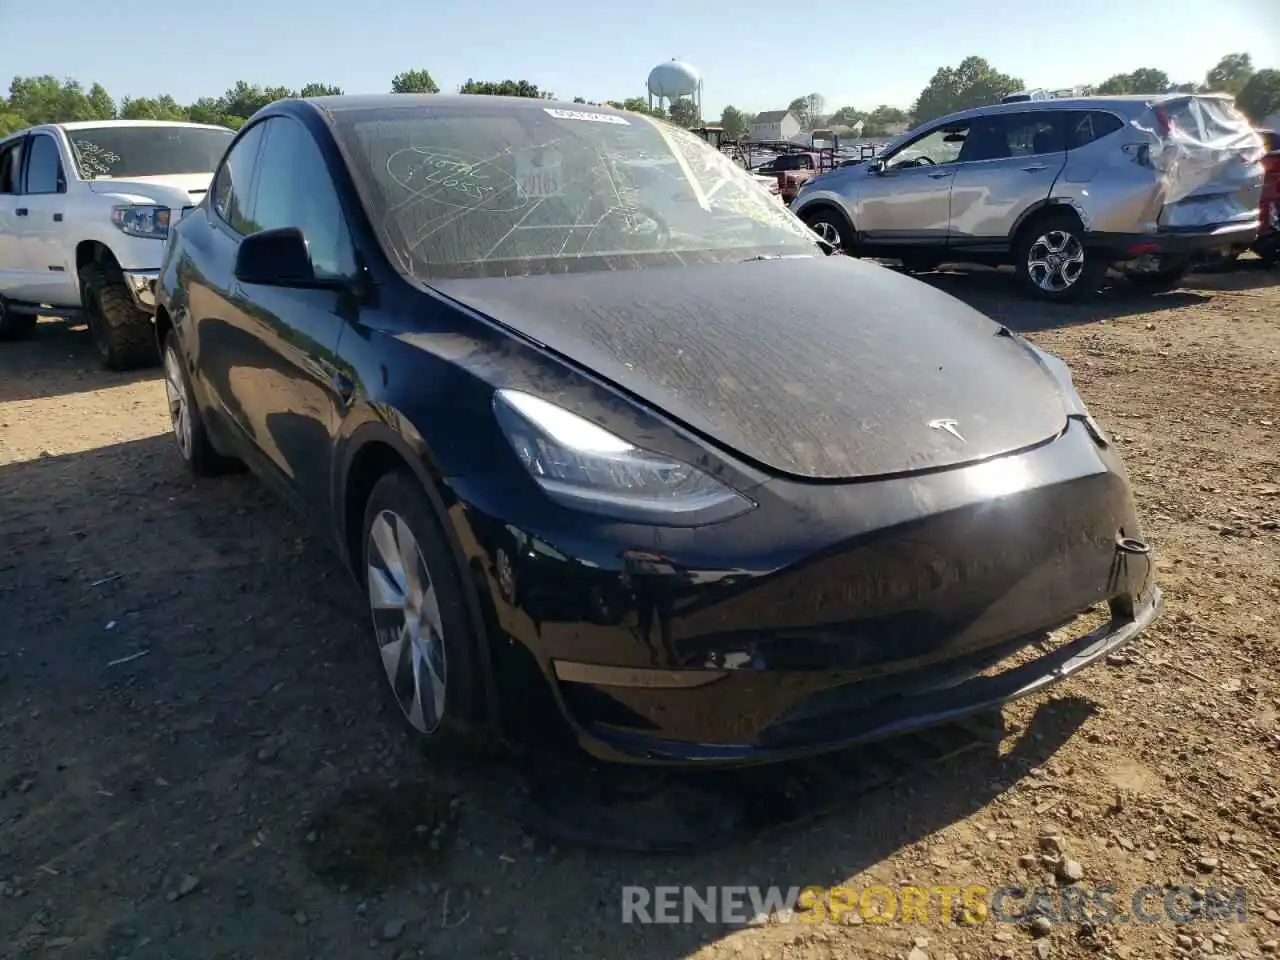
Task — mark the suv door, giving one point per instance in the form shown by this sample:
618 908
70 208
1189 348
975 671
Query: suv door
1007 167
13 270
909 200
50 266
283 377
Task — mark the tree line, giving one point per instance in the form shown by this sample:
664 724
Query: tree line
973 82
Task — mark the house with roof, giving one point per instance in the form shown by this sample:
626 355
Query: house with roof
775 125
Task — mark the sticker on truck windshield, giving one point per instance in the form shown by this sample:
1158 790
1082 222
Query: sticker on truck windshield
585 115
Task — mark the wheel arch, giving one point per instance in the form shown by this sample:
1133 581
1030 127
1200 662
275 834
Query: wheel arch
371 451
95 251
1038 211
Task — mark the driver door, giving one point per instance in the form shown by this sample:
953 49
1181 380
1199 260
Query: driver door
909 201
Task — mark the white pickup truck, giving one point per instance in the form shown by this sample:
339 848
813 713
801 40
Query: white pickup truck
85 210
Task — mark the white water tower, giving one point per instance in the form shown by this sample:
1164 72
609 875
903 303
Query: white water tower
672 81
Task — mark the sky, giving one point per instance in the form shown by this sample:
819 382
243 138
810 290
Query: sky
754 54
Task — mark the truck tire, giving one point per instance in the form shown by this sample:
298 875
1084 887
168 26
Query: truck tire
123 335
15 326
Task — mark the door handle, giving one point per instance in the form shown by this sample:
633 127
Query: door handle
57 218
21 212
940 174
1034 168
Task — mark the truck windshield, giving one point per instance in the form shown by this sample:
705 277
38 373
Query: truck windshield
146 151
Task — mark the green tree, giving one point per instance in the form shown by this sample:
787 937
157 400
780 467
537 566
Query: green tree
734 123
1260 97
505 88
104 108
845 117
413 81
152 108
1230 75
799 108
320 90
973 83
205 110
684 113
1142 80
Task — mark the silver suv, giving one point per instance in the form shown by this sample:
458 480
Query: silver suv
1060 189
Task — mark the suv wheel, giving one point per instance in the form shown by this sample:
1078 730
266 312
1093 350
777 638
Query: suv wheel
123 335
1053 263
831 225
194 447
13 325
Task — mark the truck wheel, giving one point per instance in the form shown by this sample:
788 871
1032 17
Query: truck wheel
123 334
15 326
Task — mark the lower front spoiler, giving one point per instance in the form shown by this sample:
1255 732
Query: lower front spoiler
863 723
142 288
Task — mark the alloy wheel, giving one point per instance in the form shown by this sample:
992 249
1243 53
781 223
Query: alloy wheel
175 388
829 232
406 621
1055 261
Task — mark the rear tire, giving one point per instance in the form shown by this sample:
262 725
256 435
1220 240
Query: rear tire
1053 263
426 644
831 225
123 334
13 325
189 432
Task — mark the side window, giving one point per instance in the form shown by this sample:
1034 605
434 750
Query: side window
1086 126
1027 134
44 165
10 164
295 189
231 185
1006 136
938 146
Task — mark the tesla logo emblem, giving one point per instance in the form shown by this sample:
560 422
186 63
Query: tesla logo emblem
947 426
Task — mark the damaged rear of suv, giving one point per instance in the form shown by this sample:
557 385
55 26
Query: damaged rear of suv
1061 189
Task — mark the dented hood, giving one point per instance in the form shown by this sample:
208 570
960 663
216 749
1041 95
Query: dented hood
821 368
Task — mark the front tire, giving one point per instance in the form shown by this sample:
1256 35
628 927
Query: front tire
423 631
123 334
1052 262
831 225
13 325
189 432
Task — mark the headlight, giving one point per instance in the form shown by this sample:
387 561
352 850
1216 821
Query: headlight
1076 408
142 220
585 467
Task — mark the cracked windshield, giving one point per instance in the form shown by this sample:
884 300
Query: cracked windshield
466 191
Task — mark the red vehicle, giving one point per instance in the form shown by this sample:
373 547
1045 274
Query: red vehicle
793 166
1267 245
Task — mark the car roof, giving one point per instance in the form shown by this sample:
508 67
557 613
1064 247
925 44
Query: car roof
1074 103
398 101
95 124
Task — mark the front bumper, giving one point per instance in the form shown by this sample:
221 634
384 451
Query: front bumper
831 615
1192 242
142 288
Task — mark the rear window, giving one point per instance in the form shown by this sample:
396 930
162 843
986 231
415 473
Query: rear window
1204 119
147 151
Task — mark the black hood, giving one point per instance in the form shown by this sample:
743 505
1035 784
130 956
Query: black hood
823 368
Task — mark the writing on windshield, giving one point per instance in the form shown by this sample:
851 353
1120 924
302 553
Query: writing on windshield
147 151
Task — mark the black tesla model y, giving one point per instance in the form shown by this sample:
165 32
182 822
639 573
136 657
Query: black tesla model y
608 439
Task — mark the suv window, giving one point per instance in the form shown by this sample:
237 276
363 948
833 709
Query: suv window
231 185
44 165
940 145
1086 126
295 190
1004 136
10 164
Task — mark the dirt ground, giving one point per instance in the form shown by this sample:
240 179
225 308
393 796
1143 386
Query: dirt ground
195 759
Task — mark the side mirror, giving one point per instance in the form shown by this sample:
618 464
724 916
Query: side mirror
875 166
276 258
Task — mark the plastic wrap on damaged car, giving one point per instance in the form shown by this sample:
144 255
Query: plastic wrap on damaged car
1208 158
